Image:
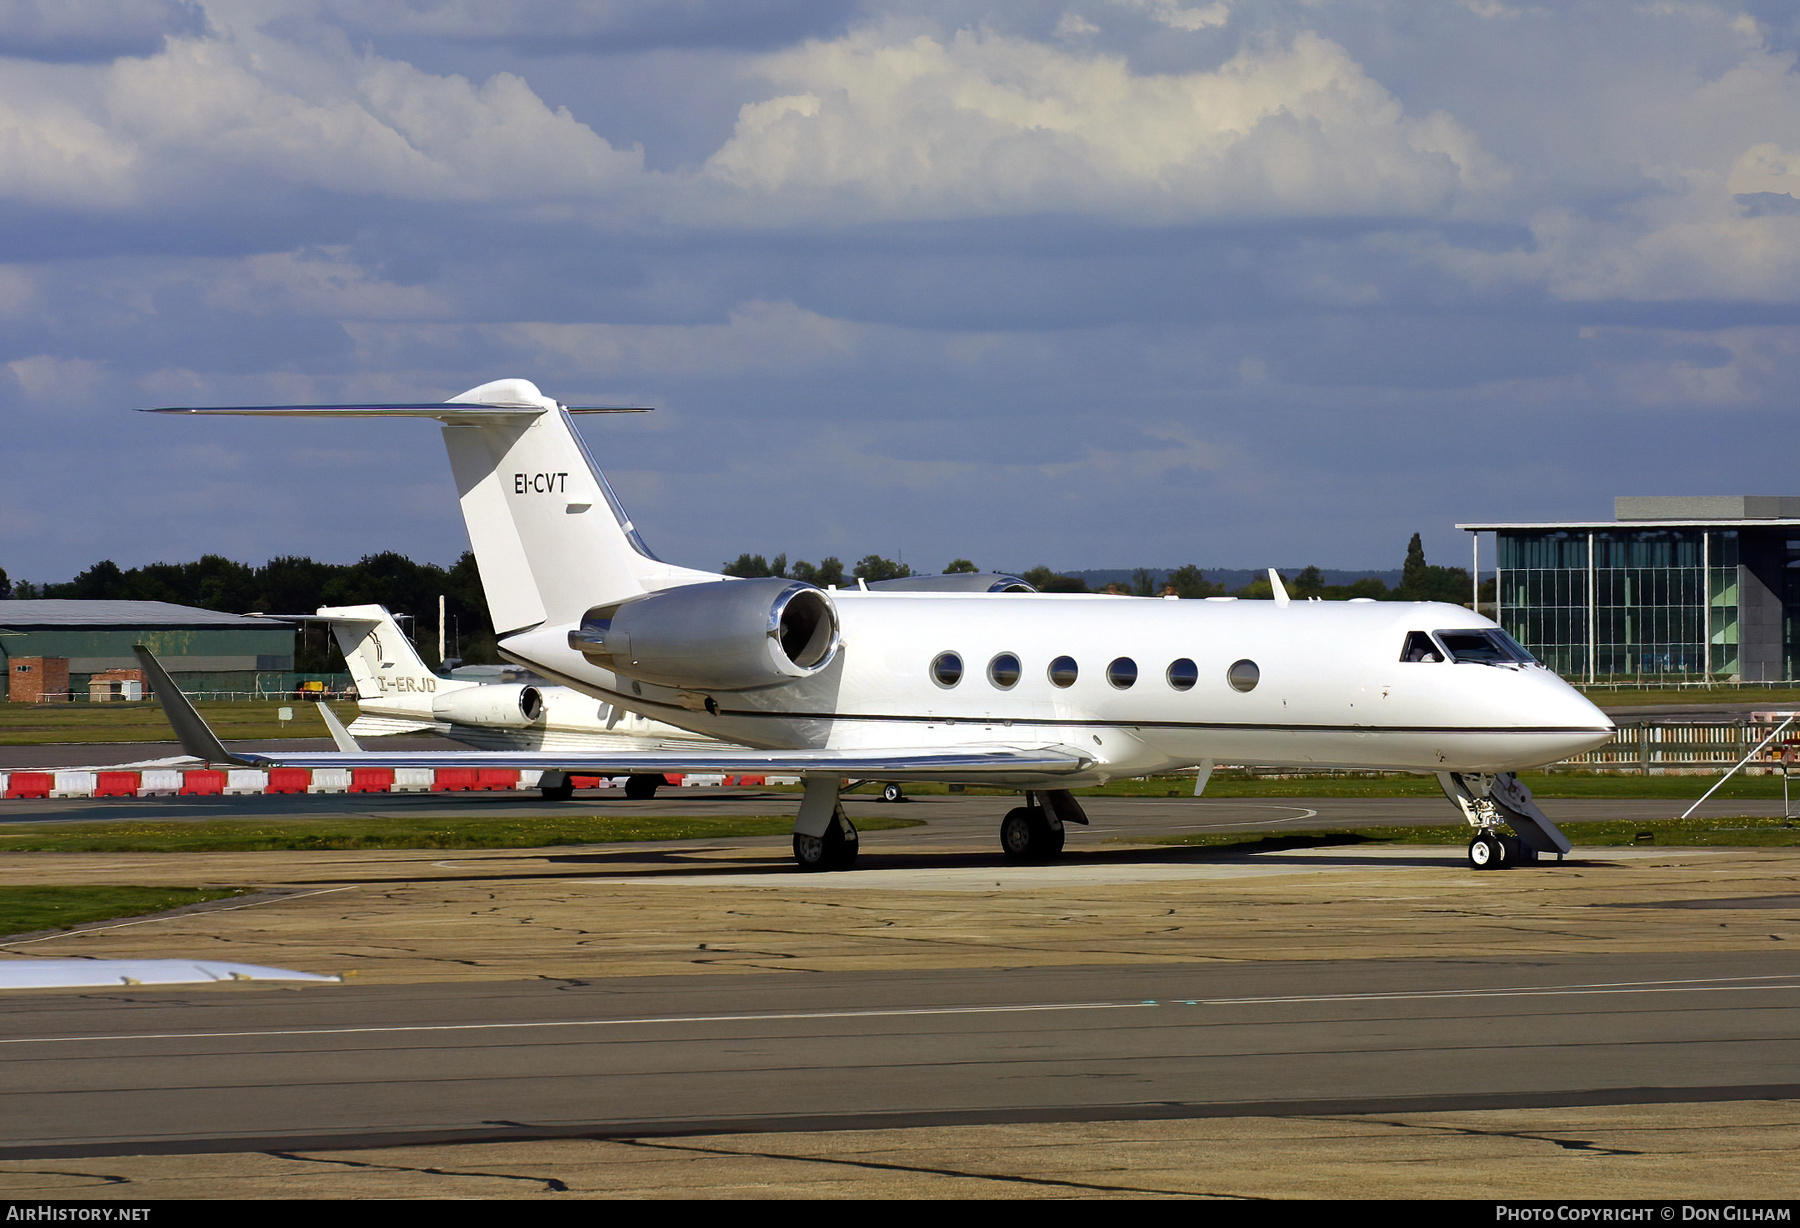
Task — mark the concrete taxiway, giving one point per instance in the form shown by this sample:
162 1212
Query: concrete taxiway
696 1018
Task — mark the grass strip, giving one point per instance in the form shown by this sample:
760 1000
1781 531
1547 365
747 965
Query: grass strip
255 836
25 909
42 724
1746 831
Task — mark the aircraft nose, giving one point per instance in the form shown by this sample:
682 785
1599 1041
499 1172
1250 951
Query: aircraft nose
1571 714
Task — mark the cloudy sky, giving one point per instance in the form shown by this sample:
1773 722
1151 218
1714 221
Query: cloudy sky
1087 283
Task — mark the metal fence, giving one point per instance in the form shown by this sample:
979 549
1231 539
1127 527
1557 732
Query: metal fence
1678 686
1657 747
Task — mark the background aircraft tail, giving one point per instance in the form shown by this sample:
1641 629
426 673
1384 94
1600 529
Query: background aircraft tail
391 680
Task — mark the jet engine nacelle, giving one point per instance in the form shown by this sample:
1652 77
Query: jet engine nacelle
506 705
731 635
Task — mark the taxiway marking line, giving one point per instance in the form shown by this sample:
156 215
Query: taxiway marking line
776 1017
1690 985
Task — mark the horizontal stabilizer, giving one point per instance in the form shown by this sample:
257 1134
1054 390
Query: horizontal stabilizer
464 412
196 738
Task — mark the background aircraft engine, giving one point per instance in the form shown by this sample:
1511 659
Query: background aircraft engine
733 635
507 705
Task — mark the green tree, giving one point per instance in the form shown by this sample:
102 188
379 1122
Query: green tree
1420 581
1261 590
1413 576
956 567
748 567
1046 581
1309 583
830 571
1191 583
872 567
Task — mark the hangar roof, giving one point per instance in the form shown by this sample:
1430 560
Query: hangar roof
106 615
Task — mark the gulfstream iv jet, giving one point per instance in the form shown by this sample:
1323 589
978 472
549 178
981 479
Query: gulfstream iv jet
1040 692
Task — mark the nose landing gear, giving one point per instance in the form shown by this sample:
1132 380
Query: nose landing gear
1488 801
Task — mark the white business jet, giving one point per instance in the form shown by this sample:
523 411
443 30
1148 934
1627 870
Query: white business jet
397 693
1035 691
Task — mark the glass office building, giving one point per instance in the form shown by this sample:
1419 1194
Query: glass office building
1674 589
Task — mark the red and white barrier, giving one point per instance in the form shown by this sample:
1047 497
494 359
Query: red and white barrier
203 782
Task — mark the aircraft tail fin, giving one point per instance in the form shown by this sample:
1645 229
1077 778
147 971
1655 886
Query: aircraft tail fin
550 538
390 676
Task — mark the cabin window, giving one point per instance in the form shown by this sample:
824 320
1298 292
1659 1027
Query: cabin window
1419 648
1063 671
1003 671
1183 674
1243 675
1122 673
946 669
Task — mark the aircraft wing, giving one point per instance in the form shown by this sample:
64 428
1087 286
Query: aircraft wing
993 762
923 763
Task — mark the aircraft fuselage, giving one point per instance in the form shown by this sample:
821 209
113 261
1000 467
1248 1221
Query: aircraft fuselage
1151 687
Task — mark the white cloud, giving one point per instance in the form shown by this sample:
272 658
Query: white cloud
92 29
879 125
43 378
1765 168
1170 13
247 112
18 291
55 146
320 281
1755 366
757 337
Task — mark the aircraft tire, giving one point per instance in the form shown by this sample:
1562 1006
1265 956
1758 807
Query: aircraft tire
892 793
558 793
835 850
1514 852
642 786
1486 852
1015 834
1027 834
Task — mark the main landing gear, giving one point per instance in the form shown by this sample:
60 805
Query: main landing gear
642 787
824 836
826 839
560 786
835 850
1488 801
1035 831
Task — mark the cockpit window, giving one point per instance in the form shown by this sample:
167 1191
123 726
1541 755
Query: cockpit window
1490 647
1420 648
